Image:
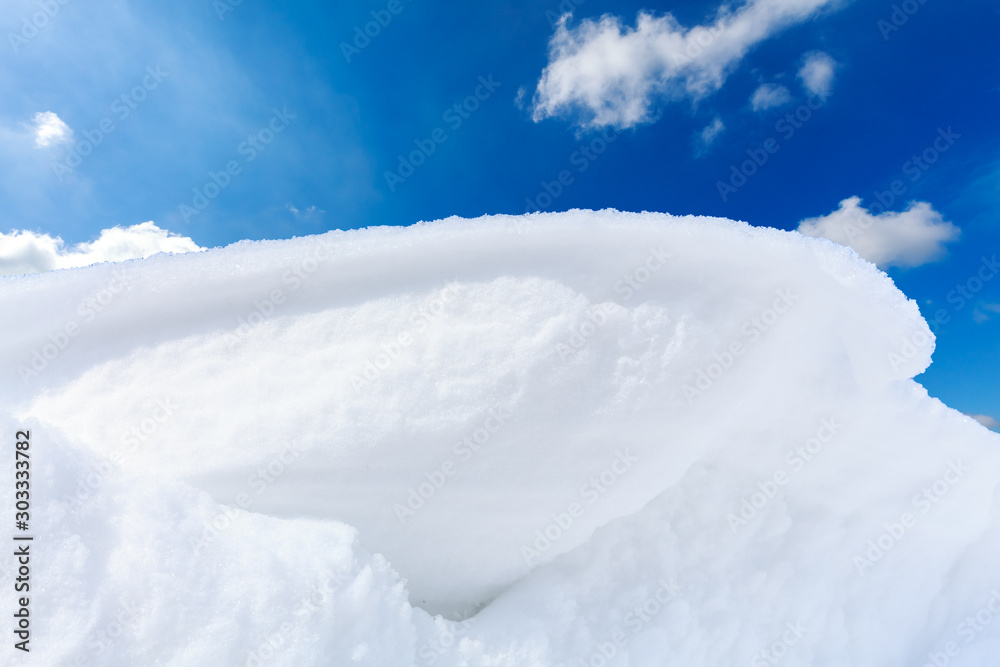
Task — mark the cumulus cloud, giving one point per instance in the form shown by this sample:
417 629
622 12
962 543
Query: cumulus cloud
28 252
987 421
50 130
708 135
609 73
768 96
913 237
817 73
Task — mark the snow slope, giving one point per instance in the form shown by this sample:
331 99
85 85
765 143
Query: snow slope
589 438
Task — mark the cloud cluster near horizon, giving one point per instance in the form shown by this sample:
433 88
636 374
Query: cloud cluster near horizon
979 315
608 74
29 252
905 239
987 421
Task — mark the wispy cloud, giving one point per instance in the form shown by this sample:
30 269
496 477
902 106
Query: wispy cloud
910 238
768 96
817 73
609 74
708 135
311 214
50 130
30 252
979 314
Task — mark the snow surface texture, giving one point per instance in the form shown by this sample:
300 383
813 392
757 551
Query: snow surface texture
590 438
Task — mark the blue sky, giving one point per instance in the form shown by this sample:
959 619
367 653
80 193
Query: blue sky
309 122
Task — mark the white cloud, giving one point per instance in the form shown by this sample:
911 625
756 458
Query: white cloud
769 95
28 252
609 73
311 214
708 135
913 237
979 316
987 421
50 129
817 73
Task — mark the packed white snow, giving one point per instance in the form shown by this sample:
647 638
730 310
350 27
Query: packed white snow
579 439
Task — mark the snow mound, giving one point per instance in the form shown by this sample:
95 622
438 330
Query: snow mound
589 438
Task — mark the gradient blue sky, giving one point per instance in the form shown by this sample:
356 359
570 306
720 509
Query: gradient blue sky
229 66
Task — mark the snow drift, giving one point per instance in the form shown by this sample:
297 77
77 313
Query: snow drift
590 438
